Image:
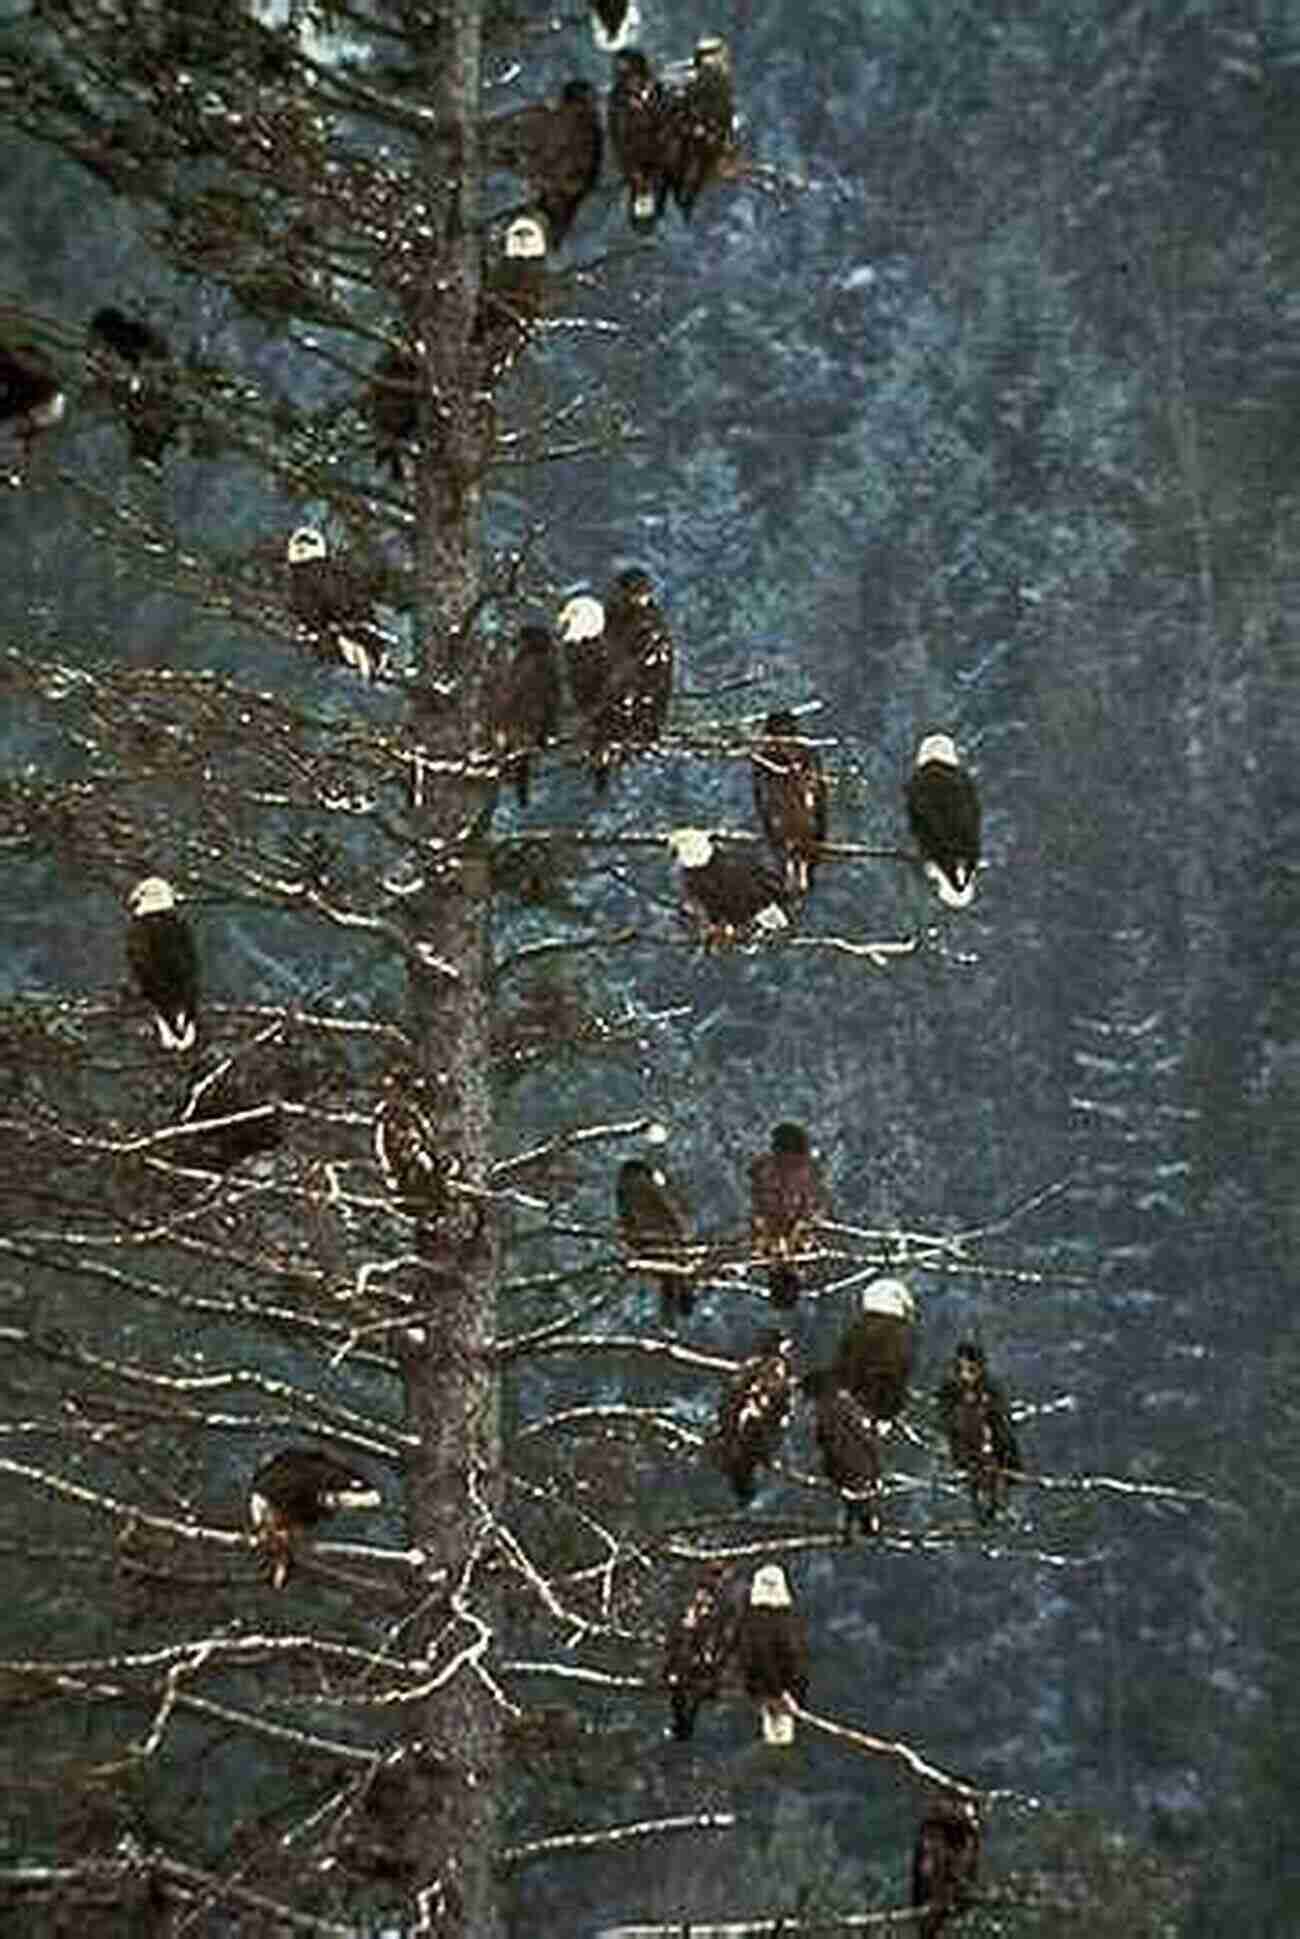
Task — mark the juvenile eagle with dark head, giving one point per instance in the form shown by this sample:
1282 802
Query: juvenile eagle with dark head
945 1862
331 601
874 1358
786 1198
391 404
556 146
163 961
526 705
655 1223
153 414
977 1420
849 1447
700 1646
773 1650
703 121
790 797
294 1491
728 897
414 1160
640 114
753 1413
944 811
31 398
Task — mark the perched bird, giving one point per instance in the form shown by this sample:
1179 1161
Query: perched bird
331 601
291 1493
526 705
772 1646
557 146
164 962
786 1198
134 342
655 1223
849 1447
580 623
153 413
729 898
614 23
633 704
703 118
874 1358
977 1421
944 811
512 301
641 128
700 1645
753 1413
31 400
945 1862
416 1165
790 798
391 404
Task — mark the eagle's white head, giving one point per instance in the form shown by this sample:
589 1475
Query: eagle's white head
769 1589
656 1133
45 416
938 747
306 545
711 51
693 847
526 239
891 1297
152 897
580 618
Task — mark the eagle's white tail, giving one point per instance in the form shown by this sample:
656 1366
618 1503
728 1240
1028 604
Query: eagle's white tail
778 1724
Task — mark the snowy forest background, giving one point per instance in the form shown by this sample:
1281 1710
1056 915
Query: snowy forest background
979 413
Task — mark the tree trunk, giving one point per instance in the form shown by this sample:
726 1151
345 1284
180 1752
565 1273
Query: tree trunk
454 1480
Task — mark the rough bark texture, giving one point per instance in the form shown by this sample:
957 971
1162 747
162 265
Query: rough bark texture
454 1482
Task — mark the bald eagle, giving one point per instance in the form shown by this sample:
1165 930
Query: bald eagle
944 812
874 1358
655 1223
291 1493
164 962
414 1160
134 342
753 1413
773 1650
526 705
620 660
638 674
580 623
640 112
977 1421
703 118
945 1862
31 400
614 23
790 797
729 898
512 301
786 1198
850 1450
331 601
153 414
391 404
557 146
700 1645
